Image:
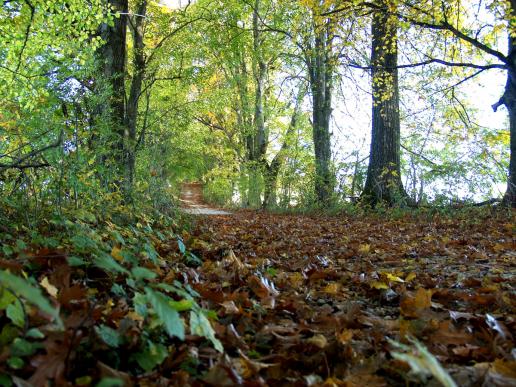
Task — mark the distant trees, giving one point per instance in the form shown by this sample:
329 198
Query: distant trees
480 40
242 94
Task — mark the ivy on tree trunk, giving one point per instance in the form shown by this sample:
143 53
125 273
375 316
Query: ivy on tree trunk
383 182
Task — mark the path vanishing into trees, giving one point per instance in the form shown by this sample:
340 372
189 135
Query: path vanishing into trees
192 202
313 299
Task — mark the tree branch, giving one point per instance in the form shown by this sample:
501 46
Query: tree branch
434 60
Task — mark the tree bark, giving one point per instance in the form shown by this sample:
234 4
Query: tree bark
321 82
272 170
510 102
135 90
257 141
383 182
113 56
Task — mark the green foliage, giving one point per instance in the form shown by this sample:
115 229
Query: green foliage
29 292
127 255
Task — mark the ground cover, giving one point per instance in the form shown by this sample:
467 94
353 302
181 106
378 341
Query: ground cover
255 298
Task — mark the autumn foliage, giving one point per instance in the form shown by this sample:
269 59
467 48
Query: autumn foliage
265 299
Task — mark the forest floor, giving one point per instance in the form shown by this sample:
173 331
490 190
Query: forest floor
311 300
261 299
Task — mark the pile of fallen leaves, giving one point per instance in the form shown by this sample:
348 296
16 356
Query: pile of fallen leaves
261 299
307 300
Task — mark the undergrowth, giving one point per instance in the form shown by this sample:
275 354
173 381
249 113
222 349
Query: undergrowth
84 292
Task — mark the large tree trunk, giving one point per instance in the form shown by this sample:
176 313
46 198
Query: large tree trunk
321 77
510 102
383 182
257 141
135 90
113 57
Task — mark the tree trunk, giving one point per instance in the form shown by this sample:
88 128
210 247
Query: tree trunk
260 71
254 185
270 178
383 182
257 144
509 99
321 74
135 91
113 56
271 171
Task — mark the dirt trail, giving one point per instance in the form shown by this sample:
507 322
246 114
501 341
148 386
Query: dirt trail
192 201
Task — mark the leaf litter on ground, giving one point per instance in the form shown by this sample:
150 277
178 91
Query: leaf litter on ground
269 300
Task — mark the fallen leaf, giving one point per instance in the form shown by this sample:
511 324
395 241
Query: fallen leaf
117 253
319 341
51 289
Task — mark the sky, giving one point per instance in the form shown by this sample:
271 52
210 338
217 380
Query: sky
351 121
174 4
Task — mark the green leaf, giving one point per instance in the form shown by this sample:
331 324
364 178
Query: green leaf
183 305
141 273
109 335
152 356
168 315
21 347
7 250
140 304
35 333
86 216
5 380
15 363
16 314
8 334
192 259
20 245
76 261
181 245
118 237
118 290
151 253
83 243
29 293
110 382
6 298
106 262
200 326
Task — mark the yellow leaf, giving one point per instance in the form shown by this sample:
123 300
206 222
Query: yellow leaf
410 277
199 244
51 289
345 336
364 249
392 277
296 280
117 254
318 340
332 288
134 316
379 285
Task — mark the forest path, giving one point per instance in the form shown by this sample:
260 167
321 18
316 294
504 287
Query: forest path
192 201
315 298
